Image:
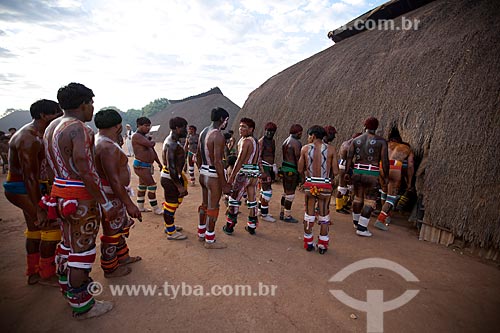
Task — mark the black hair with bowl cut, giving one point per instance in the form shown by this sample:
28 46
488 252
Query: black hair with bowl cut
218 113
107 118
143 121
175 122
44 106
318 131
73 95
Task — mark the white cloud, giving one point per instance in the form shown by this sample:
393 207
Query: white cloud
132 52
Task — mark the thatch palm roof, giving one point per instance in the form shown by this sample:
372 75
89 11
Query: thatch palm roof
439 85
196 110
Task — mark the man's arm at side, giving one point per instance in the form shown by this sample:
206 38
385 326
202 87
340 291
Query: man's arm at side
242 156
111 168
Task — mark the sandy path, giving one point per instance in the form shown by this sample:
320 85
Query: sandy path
457 293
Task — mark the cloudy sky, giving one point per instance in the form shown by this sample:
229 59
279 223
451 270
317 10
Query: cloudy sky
132 52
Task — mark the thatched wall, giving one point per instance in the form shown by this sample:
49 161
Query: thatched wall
439 85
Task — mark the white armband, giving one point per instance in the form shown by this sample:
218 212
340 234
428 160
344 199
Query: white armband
107 205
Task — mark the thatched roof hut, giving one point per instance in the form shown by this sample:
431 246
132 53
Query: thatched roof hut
439 85
196 110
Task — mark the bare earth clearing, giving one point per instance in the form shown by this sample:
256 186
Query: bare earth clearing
457 293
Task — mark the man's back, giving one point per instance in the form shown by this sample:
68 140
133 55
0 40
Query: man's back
207 144
60 146
399 151
368 148
267 149
25 142
291 150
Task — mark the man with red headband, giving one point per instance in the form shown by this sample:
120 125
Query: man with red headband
318 166
291 154
244 178
367 152
267 151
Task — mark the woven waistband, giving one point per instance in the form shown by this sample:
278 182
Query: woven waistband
70 189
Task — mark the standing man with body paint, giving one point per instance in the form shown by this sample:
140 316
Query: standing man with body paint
79 197
399 152
318 166
291 178
342 198
367 152
267 151
244 179
112 166
212 178
191 147
24 188
173 180
145 155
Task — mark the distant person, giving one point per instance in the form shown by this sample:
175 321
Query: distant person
12 131
227 137
191 147
173 180
318 165
128 140
243 179
212 178
231 144
145 155
4 151
26 182
291 153
112 167
81 201
267 146
367 152
399 152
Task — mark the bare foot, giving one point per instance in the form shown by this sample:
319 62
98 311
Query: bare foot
130 260
176 236
120 271
52 281
33 279
99 308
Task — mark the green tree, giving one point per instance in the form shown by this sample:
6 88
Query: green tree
155 106
131 116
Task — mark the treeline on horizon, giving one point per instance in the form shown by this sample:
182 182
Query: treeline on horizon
128 116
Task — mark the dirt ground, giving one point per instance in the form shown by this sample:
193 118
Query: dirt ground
458 293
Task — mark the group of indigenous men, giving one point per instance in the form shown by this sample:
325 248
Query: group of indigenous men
69 181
